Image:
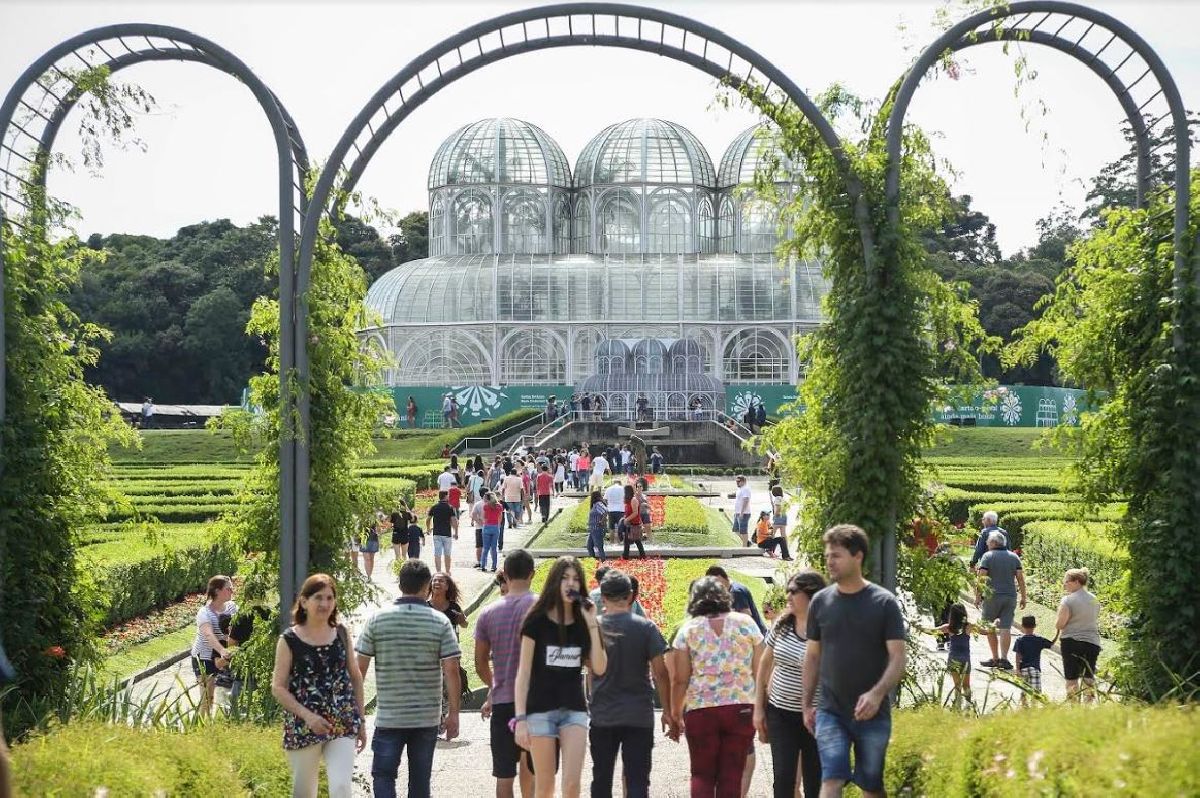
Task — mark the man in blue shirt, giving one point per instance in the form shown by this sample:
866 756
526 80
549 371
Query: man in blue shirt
743 599
990 524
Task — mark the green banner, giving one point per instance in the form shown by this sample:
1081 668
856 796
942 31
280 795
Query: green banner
1005 406
475 402
1017 406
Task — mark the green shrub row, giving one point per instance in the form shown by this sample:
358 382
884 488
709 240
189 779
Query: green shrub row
1051 547
177 472
190 487
1015 515
80 758
423 477
450 438
964 506
1064 750
982 482
177 513
150 576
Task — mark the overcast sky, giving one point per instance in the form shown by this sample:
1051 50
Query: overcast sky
211 154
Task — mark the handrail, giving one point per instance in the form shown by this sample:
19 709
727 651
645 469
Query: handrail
723 420
536 437
459 447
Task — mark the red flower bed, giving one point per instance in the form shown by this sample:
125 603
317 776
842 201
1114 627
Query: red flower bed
652 583
658 510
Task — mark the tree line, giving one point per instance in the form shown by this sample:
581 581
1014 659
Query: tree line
177 308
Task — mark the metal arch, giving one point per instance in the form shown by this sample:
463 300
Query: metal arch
588 23
1055 24
1087 35
46 92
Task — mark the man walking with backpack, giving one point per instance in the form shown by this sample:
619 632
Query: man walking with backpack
622 699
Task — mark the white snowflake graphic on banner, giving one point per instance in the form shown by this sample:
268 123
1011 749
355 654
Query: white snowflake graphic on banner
1010 409
1070 411
478 400
743 402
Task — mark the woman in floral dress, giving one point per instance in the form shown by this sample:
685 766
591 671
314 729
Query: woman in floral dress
317 682
718 653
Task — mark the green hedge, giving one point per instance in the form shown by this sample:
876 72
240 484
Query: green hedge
216 761
1064 750
423 477
152 576
487 429
969 505
1015 515
1051 547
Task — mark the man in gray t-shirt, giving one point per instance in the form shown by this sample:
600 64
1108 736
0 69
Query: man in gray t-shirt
622 699
855 655
1003 570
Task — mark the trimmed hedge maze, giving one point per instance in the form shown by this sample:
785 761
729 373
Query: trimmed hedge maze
1052 527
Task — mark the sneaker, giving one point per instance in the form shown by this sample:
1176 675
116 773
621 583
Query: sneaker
789 559
1004 665
989 663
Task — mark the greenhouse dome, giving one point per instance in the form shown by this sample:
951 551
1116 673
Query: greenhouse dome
633 297
745 222
499 185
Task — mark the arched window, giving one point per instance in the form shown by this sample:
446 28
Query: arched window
533 357
670 222
619 223
759 224
440 357
523 223
583 225
562 227
437 226
708 237
725 227
471 221
756 356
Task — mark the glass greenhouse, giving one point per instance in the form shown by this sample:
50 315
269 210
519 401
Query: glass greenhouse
649 272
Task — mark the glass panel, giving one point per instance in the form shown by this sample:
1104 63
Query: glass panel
759 225
670 222
533 357
619 223
725 226
756 356
472 223
523 223
583 225
562 226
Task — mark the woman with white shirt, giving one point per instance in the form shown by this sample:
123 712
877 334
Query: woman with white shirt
208 648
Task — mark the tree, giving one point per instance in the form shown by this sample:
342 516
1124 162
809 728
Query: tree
966 236
1116 185
412 242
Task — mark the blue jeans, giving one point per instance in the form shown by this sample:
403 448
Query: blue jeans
516 509
836 735
491 540
595 542
388 745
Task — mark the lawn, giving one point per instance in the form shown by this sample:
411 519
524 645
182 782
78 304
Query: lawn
139 657
684 522
995 442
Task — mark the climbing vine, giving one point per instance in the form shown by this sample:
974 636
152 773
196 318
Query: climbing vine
1111 325
895 335
342 421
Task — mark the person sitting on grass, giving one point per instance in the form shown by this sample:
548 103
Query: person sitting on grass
764 536
1028 652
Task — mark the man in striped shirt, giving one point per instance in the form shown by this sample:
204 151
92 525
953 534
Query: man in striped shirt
414 648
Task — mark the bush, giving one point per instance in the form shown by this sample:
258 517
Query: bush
81 757
487 429
1051 547
1111 749
150 576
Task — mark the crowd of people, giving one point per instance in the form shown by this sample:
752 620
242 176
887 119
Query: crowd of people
568 671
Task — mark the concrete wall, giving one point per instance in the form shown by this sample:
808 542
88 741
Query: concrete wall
688 442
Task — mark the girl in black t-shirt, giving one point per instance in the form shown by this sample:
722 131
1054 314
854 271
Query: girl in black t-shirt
558 638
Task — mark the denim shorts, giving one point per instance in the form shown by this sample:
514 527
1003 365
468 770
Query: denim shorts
441 545
869 738
547 724
741 523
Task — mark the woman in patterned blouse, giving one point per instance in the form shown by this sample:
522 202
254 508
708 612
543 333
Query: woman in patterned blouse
716 648
317 682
